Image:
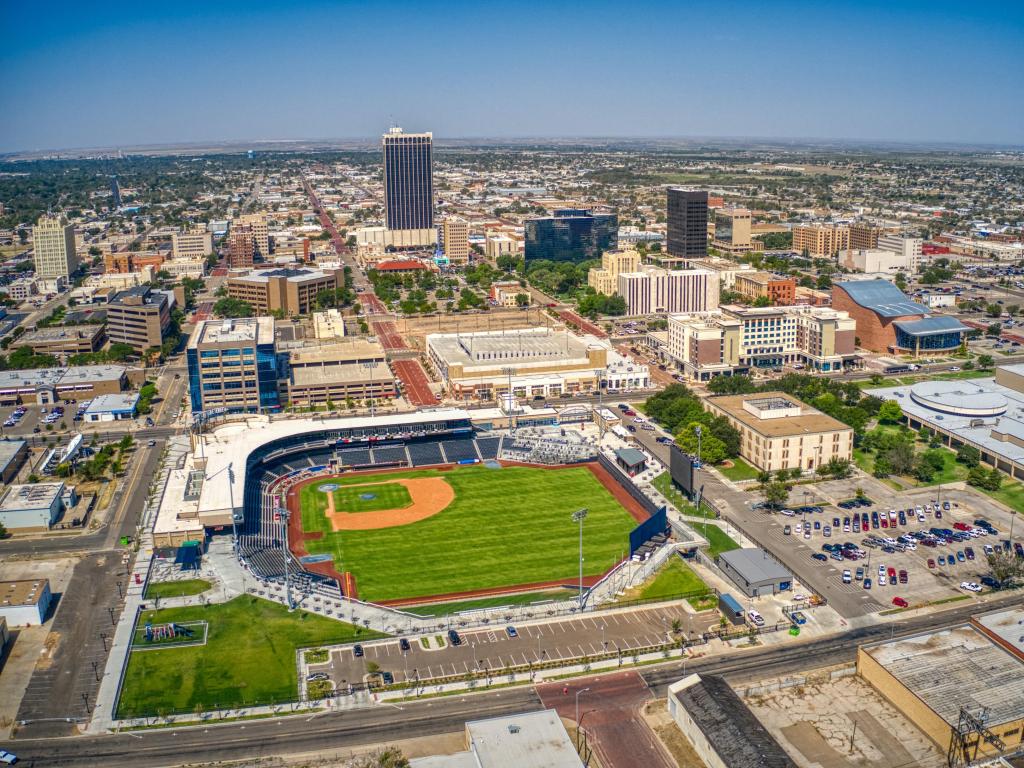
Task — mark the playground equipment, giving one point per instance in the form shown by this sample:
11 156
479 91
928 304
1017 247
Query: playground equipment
166 632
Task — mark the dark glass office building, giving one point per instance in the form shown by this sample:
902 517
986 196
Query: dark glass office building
408 180
115 193
572 234
687 223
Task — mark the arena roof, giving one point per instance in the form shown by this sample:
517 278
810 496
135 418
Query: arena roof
929 325
232 443
960 398
882 297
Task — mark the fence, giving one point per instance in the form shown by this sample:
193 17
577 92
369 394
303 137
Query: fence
649 506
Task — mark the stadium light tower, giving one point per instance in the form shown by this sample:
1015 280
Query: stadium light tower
282 515
231 496
508 371
578 517
370 366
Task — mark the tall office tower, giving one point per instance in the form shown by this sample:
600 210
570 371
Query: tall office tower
454 234
572 234
687 223
257 224
409 187
864 236
241 246
54 245
115 193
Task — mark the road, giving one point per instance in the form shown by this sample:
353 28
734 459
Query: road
339 731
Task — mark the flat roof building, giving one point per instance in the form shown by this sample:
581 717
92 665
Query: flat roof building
12 456
113 407
139 317
605 279
341 374
32 507
409 187
329 324
233 364
51 385
571 234
777 431
934 677
755 572
25 602
654 290
64 340
291 291
454 239
53 248
732 231
195 244
821 240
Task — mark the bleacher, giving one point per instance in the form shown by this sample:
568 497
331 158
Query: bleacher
488 447
354 457
459 450
320 458
425 454
390 454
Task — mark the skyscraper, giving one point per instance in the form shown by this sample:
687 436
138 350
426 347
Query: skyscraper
53 243
572 234
115 193
409 187
687 223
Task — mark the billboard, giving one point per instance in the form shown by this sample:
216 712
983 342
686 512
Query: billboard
681 468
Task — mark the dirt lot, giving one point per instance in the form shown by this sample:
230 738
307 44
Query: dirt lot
842 723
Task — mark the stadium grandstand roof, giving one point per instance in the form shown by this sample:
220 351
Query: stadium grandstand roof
882 297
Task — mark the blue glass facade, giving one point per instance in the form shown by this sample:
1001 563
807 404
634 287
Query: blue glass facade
571 235
933 342
216 374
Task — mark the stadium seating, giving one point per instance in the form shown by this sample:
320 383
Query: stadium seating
459 450
425 454
354 457
390 454
488 447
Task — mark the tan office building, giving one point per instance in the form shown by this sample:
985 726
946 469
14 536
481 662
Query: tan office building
257 224
777 431
864 236
605 279
780 291
820 240
455 239
288 291
64 340
347 372
241 247
732 231
53 245
196 244
139 317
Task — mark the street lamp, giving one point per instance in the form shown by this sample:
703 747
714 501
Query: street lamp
578 517
578 694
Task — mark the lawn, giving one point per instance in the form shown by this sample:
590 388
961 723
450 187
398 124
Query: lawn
518 598
674 579
951 472
718 539
663 483
182 588
249 658
1011 494
505 527
384 496
739 470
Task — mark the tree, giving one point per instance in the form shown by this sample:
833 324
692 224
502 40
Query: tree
522 300
890 412
837 468
968 455
994 310
712 450
901 458
229 307
3 531
994 329
985 361
1005 566
776 493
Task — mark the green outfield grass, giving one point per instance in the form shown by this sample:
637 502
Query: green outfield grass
176 588
505 527
386 496
248 658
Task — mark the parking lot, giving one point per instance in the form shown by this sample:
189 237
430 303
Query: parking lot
924 583
495 649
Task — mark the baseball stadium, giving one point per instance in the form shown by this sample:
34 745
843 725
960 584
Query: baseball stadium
421 508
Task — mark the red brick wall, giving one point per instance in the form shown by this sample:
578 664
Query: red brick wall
845 342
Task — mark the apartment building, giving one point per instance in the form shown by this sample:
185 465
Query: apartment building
53 246
737 339
233 364
287 291
346 372
605 279
821 239
732 231
454 240
139 317
777 431
653 290
780 291
194 244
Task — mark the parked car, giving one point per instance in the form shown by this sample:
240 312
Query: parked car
970 586
403 644
8 758
357 650
453 638
511 631
899 602
867 583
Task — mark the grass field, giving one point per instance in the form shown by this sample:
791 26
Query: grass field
673 579
519 598
176 588
718 539
505 527
1011 494
663 483
386 496
249 657
739 470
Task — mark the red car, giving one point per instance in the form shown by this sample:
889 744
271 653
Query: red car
899 602
903 577
891 572
961 527
931 562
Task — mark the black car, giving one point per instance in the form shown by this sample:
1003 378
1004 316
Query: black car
357 651
388 678
453 637
819 556
403 644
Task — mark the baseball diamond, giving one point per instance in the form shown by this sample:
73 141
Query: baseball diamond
469 529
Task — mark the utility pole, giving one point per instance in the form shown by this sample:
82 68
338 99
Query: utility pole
578 517
600 401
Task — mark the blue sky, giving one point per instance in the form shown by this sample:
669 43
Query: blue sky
109 74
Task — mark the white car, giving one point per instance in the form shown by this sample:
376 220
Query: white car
8 758
970 586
